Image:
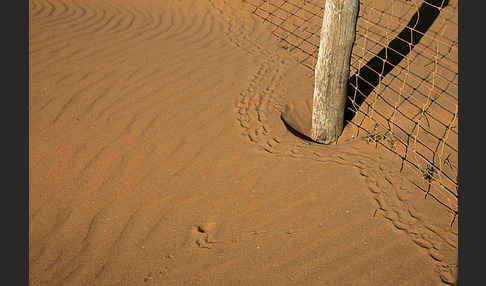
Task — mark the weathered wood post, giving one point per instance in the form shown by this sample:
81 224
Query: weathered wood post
332 69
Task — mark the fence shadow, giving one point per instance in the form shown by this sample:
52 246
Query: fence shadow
361 84
420 127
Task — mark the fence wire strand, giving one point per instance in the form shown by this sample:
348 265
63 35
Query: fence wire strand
403 87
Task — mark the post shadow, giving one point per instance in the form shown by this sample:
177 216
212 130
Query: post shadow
368 77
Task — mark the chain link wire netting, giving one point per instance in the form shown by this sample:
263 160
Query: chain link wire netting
403 86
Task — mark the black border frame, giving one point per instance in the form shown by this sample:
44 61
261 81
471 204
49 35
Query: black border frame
16 119
23 159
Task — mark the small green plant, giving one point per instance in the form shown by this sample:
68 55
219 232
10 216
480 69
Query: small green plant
372 137
428 173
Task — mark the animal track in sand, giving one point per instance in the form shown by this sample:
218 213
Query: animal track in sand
203 236
258 115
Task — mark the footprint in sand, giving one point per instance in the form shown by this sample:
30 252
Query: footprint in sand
203 235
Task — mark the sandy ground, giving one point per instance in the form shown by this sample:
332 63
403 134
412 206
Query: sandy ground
158 157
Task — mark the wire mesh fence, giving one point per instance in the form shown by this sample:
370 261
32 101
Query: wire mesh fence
403 86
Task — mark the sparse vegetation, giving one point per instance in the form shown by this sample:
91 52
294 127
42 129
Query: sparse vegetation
373 137
429 171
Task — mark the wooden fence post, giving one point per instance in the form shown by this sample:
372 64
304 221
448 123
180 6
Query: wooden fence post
332 69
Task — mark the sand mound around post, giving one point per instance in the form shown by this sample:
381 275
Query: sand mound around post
298 115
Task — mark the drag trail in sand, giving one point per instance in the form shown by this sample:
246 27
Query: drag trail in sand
158 157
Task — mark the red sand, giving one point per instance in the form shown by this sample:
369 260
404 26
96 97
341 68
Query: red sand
158 157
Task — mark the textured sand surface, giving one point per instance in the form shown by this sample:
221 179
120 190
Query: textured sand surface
158 157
